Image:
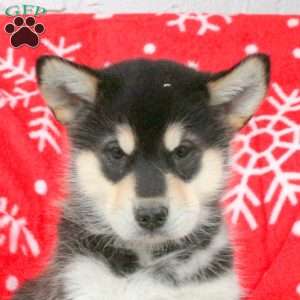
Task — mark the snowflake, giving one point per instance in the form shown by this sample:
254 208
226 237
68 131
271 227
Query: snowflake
16 70
45 130
61 49
16 229
202 18
13 69
42 128
20 95
262 161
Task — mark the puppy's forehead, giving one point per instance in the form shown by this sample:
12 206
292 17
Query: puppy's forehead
151 97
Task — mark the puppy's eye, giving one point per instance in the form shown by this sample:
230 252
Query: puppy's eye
181 152
116 153
113 152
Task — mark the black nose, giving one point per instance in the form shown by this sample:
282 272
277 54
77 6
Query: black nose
151 218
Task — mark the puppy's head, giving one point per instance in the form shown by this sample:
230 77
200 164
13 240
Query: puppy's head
150 138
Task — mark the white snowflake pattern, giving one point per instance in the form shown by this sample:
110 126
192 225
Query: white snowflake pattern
19 95
203 20
44 129
61 49
17 228
10 68
287 140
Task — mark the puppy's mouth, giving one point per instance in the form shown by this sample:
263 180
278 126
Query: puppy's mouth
155 237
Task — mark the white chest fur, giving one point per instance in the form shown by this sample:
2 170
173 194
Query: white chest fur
89 279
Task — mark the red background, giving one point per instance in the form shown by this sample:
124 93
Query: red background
267 250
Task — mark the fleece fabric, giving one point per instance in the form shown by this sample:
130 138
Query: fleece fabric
262 201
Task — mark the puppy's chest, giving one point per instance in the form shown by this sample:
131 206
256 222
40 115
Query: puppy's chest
87 278
143 276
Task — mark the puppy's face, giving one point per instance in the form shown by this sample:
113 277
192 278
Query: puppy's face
150 139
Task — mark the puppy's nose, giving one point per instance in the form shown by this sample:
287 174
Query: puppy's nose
151 218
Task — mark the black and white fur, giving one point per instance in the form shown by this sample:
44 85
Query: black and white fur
149 162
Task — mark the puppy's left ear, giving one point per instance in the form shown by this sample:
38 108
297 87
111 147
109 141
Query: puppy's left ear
241 89
67 87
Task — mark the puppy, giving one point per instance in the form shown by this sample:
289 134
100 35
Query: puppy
149 162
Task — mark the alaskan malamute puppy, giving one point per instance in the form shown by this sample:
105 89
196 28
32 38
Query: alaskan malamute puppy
149 163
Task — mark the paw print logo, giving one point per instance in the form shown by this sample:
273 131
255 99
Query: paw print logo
24 31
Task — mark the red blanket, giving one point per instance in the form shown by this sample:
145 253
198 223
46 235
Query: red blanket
262 203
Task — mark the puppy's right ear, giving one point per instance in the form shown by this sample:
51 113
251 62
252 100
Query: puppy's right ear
66 86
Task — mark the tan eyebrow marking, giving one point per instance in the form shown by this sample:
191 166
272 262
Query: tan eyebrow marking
126 138
173 136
